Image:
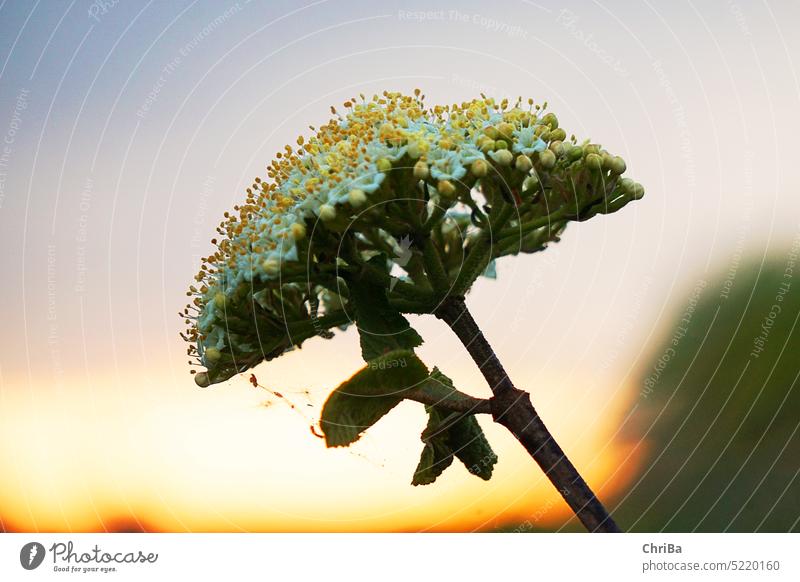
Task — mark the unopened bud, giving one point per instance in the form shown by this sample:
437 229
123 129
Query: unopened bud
547 159
503 157
327 212
420 170
356 197
575 153
479 168
298 231
551 120
202 380
501 144
506 130
558 134
628 186
523 163
594 162
212 355
271 267
446 188
219 300
384 165
616 165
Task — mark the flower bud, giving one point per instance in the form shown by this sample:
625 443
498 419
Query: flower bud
202 380
219 300
487 146
551 120
638 191
628 186
523 163
503 157
506 130
547 159
420 170
594 161
446 188
616 164
211 355
575 153
490 132
501 144
327 212
298 231
356 197
384 165
271 267
592 148
479 168
558 134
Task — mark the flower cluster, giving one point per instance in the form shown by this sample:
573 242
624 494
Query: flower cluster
465 183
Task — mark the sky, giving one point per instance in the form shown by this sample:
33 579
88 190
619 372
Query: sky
128 128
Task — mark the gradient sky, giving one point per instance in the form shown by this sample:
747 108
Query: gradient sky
127 132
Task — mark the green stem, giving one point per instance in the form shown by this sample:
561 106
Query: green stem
480 254
434 267
527 227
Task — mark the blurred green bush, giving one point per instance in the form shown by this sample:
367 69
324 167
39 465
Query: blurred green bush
719 409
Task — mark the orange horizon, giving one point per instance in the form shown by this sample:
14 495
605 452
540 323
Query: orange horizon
167 459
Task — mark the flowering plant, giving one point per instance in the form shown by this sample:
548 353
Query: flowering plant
394 207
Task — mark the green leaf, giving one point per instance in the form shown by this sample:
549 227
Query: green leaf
471 447
381 327
365 398
451 434
436 454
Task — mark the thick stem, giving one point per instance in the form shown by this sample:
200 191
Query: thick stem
513 409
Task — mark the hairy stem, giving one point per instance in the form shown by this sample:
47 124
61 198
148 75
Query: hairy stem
512 408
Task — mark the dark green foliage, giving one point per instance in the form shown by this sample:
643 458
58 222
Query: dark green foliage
437 454
366 397
452 434
387 342
381 327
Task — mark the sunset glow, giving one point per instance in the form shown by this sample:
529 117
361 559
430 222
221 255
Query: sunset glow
125 455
